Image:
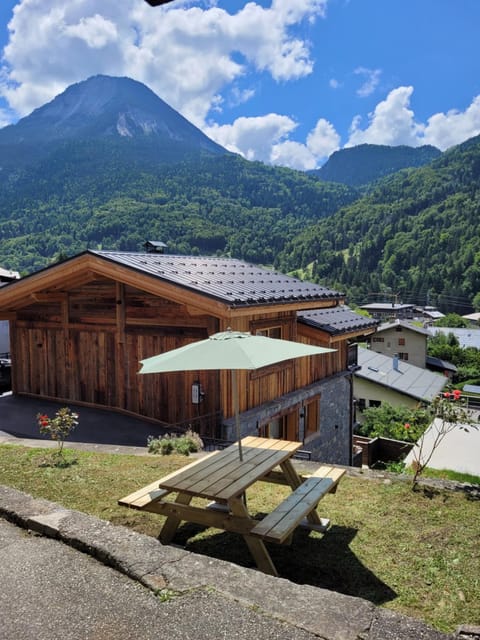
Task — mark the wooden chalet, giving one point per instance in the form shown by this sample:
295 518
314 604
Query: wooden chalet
79 328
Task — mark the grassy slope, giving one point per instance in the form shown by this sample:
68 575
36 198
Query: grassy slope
413 553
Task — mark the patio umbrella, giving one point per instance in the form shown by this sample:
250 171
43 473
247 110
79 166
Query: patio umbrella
232 350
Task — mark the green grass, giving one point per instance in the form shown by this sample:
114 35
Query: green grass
417 553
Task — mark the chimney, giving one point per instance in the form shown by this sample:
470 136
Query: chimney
395 362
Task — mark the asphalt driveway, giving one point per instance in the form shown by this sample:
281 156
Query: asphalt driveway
18 419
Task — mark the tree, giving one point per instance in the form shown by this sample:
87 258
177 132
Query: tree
388 421
476 302
452 320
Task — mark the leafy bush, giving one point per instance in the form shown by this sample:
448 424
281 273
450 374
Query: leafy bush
184 444
397 423
59 427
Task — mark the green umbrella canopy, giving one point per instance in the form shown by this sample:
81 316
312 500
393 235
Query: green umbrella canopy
229 350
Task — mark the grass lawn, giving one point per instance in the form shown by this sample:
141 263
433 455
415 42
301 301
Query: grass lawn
415 552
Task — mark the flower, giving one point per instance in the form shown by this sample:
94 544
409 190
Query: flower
407 425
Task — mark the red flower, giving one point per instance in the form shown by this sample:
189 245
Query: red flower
407 425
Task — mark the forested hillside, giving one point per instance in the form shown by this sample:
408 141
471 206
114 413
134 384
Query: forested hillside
365 163
416 234
92 195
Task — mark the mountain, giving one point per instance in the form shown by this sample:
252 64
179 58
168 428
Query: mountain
118 111
415 236
358 166
107 164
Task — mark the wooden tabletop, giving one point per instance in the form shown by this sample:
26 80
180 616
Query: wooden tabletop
222 475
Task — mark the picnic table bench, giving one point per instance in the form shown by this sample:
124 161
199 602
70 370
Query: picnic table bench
223 478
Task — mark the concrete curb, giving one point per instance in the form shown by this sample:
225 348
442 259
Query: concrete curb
328 615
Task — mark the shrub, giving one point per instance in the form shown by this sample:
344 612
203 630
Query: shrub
398 423
59 427
184 444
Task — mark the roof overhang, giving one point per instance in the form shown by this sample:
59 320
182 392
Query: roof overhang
54 281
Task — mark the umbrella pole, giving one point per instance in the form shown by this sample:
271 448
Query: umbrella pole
235 408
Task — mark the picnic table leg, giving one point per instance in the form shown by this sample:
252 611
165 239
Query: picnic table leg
295 481
257 547
172 523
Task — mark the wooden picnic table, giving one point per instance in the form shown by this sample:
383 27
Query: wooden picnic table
222 478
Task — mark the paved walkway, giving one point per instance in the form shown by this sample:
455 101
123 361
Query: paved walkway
97 429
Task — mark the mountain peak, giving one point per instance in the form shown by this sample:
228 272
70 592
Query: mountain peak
110 107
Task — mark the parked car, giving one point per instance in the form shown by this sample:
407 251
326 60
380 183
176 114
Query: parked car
5 373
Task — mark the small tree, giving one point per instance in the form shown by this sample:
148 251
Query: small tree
59 427
447 413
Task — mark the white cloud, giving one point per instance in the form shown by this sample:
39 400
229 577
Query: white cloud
239 96
253 138
334 84
294 155
5 118
323 140
391 123
444 130
95 31
371 82
266 138
188 55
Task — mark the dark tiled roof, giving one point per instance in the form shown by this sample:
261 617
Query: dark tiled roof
438 363
232 281
337 320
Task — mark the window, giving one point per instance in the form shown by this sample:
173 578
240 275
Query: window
401 342
361 404
270 332
374 403
378 339
403 355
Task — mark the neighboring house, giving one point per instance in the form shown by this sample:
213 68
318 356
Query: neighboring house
80 327
408 342
389 311
473 317
430 314
401 338
447 369
466 337
383 379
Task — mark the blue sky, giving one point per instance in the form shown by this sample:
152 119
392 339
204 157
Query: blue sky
281 81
